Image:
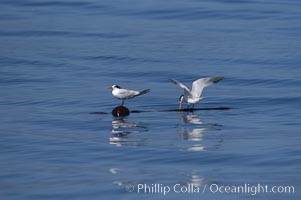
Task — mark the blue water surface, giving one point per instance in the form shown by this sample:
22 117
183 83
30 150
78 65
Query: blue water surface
58 56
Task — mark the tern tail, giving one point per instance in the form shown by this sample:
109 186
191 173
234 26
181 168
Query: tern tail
143 92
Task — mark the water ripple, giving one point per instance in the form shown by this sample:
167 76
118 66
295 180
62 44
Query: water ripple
57 3
123 59
256 82
201 13
62 34
25 61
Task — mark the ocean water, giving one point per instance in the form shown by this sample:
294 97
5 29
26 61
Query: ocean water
58 56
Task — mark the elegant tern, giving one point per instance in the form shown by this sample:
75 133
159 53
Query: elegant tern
194 96
124 94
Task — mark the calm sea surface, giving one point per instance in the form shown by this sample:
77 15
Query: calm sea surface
58 56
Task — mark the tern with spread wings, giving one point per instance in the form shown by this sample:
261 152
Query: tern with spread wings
194 96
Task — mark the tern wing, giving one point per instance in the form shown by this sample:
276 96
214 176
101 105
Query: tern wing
181 85
127 94
200 84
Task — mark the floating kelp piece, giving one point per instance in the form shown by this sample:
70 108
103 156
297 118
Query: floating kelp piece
139 111
120 111
136 111
99 113
194 109
218 108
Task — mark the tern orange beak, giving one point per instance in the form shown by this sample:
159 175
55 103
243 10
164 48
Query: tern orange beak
109 88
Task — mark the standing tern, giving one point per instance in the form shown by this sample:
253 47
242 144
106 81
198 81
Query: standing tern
194 96
124 94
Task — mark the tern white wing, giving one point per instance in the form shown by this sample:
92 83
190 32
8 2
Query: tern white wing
200 84
181 85
124 94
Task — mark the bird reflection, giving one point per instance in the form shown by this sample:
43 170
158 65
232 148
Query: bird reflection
195 135
116 171
196 180
194 129
121 129
191 118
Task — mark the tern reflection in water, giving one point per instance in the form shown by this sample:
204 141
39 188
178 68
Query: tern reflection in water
195 179
121 129
194 129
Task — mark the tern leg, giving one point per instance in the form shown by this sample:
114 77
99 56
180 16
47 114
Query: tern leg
122 102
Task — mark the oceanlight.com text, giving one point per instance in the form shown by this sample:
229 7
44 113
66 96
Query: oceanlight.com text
251 189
